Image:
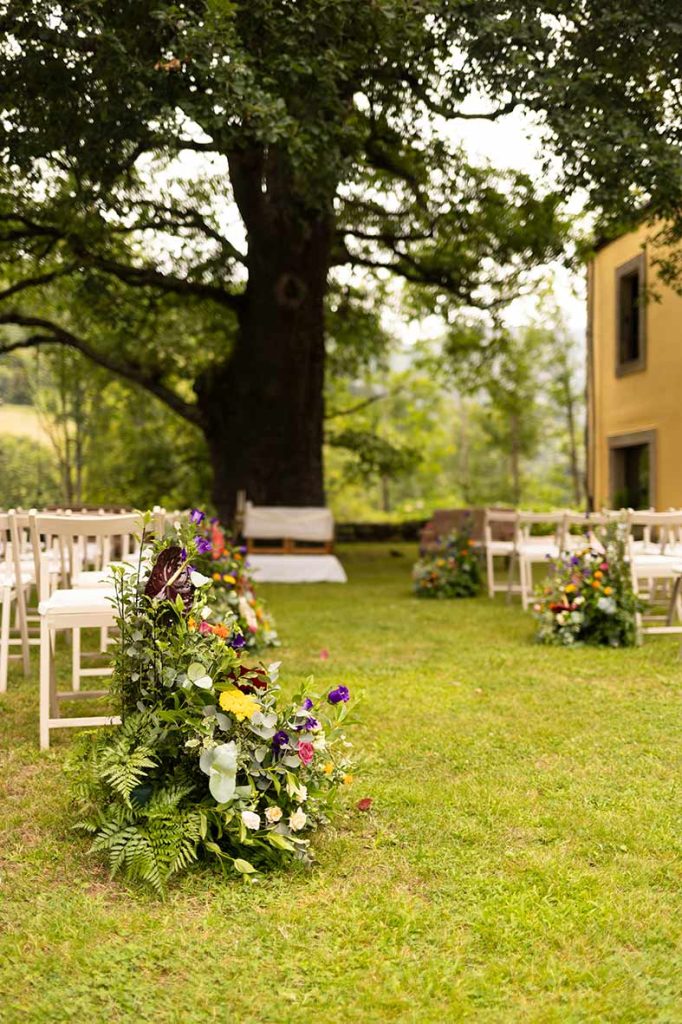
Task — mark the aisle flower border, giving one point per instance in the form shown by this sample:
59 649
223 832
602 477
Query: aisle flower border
209 762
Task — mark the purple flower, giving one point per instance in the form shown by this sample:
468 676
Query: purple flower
243 549
311 724
214 520
340 695
196 516
203 545
183 554
279 740
307 704
575 560
237 642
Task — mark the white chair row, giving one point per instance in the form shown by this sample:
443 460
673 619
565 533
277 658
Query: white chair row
654 552
67 558
509 534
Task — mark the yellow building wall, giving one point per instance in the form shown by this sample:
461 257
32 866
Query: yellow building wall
645 400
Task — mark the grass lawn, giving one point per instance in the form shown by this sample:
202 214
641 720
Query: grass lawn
521 862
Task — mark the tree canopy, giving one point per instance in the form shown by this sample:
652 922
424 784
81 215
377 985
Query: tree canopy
182 181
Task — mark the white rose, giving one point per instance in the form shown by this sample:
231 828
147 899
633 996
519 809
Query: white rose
251 819
273 814
297 820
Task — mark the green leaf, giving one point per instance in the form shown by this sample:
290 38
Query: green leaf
243 866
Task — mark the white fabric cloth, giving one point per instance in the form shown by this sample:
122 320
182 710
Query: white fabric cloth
296 569
266 522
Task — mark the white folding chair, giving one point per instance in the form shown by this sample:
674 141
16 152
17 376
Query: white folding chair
532 549
656 566
14 581
74 608
505 523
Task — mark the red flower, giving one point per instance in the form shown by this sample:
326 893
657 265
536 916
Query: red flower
365 803
306 752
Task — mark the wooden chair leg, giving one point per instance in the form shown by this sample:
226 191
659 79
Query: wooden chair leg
5 626
45 683
674 606
524 573
490 572
22 625
76 659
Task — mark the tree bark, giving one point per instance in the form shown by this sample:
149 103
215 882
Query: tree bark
263 409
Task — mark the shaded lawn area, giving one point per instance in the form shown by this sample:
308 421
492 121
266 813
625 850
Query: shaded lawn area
521 861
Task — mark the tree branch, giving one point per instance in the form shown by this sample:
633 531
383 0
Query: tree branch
35 282
130 369
141 277
363 405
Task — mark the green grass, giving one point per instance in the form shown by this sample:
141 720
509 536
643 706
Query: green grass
521 862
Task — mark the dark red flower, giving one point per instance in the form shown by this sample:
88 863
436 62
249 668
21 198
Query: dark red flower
169 579
365 804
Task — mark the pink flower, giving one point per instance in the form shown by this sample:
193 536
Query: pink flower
204 627
306 752
324 654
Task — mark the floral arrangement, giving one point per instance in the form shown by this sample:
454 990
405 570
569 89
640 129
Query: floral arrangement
209 762
234 592
455 571
588 596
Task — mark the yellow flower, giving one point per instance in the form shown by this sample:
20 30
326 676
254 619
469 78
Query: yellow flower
348 780
241 705
216 576
608 590
569 588
328 768
228 579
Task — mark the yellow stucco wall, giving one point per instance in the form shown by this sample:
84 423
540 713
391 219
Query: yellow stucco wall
646 400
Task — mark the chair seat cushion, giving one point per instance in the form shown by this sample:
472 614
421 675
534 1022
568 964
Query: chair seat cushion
83 601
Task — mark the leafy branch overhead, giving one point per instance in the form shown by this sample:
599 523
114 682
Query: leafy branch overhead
179 182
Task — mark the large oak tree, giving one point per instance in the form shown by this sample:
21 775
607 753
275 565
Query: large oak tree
131 130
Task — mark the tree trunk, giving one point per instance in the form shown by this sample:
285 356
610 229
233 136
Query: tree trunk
515 460
572 441
263 409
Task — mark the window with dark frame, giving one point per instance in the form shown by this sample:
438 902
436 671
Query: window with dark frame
630 320
632 474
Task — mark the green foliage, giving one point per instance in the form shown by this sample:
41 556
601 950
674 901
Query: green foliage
28 474
234 591
454 571
588 597
207 762
14 380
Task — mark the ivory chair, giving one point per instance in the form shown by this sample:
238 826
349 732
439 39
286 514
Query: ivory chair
13 583
73 609
531 550
656 565
500 537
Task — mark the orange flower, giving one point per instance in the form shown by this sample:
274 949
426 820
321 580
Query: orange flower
596 584
598 574
216 576
221 631
608 590
191 623
471 543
